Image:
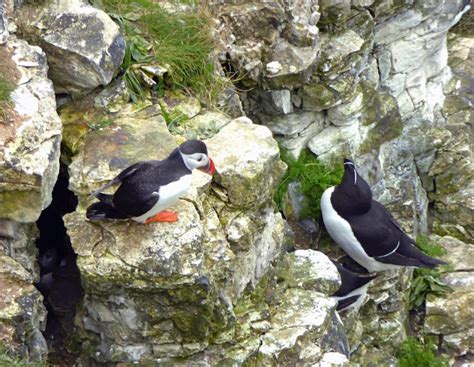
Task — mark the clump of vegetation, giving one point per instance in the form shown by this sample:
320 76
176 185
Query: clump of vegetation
174 119
5 90
8 360
177 42
413 353
427 281
314 177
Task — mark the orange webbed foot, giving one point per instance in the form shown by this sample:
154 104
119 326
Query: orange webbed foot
164 216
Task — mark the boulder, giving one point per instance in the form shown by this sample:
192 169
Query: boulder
83 45
310 270
176 283
31 137
248 161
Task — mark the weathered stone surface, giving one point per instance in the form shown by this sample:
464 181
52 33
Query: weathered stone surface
336 141
17 240
242 167
274 42
452 169
301 317
203 126
83 45
30 139
22 314
452 315
310 270
129 139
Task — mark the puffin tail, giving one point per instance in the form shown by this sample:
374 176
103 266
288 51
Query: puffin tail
103 209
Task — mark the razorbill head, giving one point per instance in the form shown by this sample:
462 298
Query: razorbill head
351 293
147 188
367 231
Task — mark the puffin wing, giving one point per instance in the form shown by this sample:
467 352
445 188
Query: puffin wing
127 172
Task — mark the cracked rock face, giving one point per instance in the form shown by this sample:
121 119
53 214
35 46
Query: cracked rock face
83 45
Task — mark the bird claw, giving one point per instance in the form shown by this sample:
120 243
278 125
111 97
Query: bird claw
164 216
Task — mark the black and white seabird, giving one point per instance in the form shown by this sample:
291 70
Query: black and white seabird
353 288
367 231
147 188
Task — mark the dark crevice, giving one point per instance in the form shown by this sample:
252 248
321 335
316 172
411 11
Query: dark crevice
60 281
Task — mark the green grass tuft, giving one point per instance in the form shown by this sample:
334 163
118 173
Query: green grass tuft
413 353
5 90
314 178
181 42
427 281
6 359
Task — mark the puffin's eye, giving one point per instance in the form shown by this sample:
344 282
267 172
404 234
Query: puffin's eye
200 159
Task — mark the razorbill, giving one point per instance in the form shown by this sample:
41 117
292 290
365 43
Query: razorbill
353 288
147 188
365 229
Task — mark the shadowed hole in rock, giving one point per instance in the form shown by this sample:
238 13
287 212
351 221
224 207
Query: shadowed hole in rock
60 281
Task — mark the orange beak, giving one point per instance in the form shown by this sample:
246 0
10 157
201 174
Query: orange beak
210 169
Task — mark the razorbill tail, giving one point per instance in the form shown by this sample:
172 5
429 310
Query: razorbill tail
367 231
353 288
147 188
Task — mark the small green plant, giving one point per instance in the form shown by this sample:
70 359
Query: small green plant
6 359
104 122
313 176
180 42
427 281
5 91
414 353
174 119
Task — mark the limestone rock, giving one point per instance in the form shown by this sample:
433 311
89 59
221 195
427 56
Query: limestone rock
336 141
301 318
22 313
176 285
30 140
129 139
452 315
310 270
17 240
452 168
272 42
203 126
241 168
83 45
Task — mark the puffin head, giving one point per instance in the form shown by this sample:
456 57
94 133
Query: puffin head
194 153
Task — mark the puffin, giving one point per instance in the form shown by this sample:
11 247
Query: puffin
365 229
353 288
147 188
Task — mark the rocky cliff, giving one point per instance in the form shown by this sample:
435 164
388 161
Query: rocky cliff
364 79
